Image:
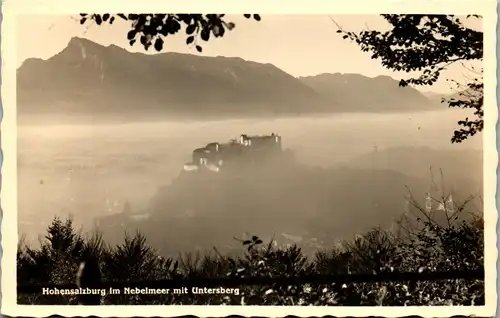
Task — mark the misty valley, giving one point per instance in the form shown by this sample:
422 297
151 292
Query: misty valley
334 177
319 160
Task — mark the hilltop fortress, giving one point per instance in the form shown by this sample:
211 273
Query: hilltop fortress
248 149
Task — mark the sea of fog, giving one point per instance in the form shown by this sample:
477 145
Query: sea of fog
92 170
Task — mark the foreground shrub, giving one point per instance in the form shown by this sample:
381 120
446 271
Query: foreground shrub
420 244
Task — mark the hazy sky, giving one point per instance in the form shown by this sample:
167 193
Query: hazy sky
301 45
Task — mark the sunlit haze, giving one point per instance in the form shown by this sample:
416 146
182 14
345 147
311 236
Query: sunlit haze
301 45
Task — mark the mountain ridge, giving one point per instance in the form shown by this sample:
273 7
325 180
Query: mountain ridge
89 78
384 92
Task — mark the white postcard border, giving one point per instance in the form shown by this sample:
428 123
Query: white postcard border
9 145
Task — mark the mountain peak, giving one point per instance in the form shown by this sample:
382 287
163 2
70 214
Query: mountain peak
385 77
82 42
77 48
77 39
91 78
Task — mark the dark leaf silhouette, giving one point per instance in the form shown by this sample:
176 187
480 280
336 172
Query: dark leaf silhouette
98 19
159 44
205 35
190 29
131 34
150 27
145 41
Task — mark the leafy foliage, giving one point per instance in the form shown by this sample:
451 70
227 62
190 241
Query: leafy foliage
57 259
424 245
429 44
471 97
152 29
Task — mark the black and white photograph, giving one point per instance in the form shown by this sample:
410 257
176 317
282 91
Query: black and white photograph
247 160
